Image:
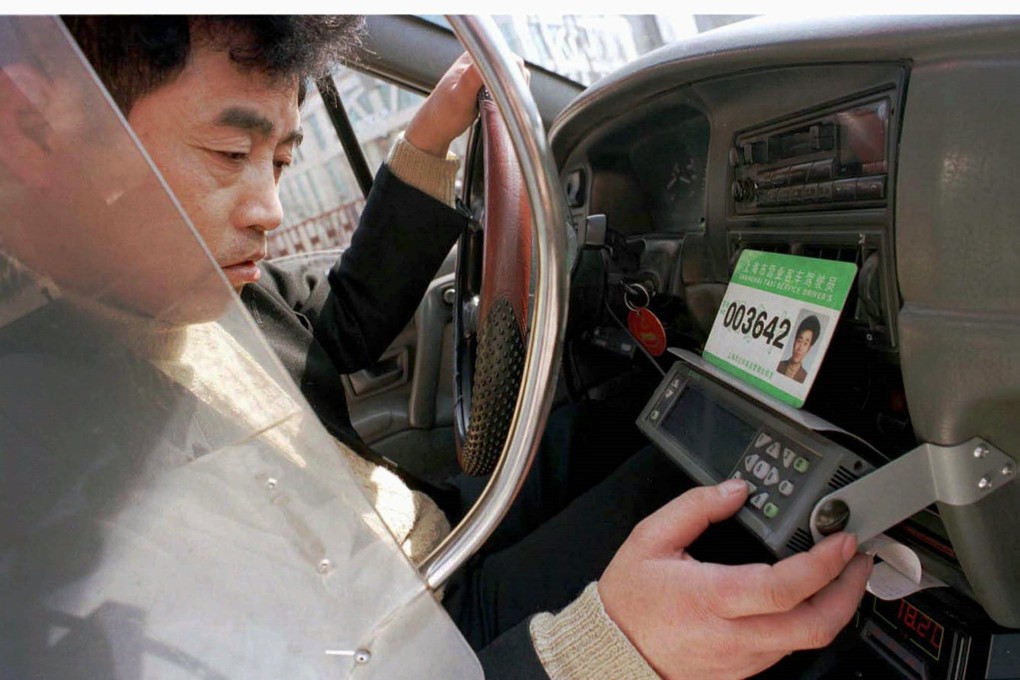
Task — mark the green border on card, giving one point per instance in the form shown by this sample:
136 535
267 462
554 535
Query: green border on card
753 380
807 279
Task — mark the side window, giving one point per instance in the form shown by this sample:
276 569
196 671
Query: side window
320 195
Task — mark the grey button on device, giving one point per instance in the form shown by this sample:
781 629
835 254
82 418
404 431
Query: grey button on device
786 487
751 488
788 456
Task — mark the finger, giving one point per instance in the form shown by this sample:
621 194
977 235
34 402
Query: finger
675 526
814 623
467 64
524 68
464 60
462 73
752 589
471 78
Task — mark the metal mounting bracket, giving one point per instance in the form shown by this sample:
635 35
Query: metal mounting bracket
956 475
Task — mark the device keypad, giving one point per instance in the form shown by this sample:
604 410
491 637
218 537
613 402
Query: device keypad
773 468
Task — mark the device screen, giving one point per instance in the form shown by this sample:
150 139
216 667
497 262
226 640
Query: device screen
710 433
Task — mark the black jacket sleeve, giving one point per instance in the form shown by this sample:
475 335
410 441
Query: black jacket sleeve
512 656
358 307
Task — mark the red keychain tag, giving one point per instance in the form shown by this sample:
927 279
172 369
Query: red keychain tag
648 330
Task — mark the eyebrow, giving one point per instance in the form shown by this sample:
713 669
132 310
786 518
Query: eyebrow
250 121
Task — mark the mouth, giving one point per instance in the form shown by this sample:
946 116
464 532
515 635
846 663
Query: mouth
244 271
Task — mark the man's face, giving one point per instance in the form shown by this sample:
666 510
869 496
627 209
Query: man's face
802 344
221 138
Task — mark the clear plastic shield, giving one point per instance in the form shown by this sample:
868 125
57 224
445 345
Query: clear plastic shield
170 507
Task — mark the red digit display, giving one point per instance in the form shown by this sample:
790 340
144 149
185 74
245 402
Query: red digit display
921 628
908 614
913 625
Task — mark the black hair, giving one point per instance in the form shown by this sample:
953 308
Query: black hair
810 323
134 55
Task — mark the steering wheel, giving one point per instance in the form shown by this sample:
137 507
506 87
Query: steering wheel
491 314
508 341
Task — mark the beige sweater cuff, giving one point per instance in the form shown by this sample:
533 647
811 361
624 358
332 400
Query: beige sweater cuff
427 173
583 643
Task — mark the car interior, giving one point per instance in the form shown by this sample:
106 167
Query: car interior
877 141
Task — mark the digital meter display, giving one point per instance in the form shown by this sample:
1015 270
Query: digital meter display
915 625
710 432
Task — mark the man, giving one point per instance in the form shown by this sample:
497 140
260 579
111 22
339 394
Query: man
215 103
807 334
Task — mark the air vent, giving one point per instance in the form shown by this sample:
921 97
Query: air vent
828 252
767 247
841 478
865 307
837 253
770 247
800 541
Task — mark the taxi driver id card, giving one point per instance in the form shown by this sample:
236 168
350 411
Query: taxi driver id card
777 319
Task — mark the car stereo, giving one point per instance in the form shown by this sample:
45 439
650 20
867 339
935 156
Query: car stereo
701 420
837 159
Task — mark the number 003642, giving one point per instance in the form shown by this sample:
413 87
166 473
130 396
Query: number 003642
757 323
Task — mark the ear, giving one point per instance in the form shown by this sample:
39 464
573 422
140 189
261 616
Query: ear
24 132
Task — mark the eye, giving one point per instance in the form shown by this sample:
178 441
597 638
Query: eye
233 155
228 157
279 166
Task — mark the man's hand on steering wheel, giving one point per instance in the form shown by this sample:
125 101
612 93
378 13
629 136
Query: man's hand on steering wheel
450 109
486 351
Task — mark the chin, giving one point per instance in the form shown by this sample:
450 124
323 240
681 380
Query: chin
197 310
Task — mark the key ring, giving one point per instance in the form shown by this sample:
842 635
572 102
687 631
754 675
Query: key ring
634 289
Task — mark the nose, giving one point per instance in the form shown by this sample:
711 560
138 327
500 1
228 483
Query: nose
258 205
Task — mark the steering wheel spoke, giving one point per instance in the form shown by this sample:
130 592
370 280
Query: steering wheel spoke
491 337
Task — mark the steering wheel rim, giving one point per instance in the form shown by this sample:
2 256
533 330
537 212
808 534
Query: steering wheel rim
492 302
504 80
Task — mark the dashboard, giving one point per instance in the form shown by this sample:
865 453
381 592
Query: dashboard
877 141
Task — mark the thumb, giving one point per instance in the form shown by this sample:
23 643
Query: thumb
675 526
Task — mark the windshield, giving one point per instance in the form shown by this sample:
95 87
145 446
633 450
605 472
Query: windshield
586 47
171 507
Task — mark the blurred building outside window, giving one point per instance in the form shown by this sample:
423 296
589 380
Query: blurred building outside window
320 195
